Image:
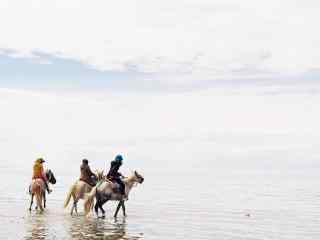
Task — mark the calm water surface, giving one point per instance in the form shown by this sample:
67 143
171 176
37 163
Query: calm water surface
195 203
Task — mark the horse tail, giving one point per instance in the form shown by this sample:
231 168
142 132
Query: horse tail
71 191
88 202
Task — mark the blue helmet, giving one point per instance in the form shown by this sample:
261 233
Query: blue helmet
118 158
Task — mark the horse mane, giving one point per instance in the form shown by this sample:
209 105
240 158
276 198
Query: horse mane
129 179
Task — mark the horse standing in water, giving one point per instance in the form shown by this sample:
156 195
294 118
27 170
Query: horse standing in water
107 191
38 189
78 191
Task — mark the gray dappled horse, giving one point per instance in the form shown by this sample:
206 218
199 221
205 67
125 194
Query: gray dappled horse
109 191
38 189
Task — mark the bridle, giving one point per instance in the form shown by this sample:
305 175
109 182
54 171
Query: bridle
139 178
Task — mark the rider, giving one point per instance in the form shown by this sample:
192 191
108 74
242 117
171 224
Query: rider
114 175
38 172
86 174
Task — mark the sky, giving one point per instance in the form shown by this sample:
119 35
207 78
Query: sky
186 44
159 79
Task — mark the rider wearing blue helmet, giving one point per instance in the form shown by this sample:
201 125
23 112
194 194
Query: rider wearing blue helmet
114 175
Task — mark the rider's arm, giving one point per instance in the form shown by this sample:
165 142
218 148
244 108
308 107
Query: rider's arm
112 168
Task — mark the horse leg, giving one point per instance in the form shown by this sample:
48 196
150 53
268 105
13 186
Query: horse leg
76 207
32 195
72 208
117 210
101 208
39 201
123 208
103 211
74 198
41 207
96 205
96 208
44 199
71 212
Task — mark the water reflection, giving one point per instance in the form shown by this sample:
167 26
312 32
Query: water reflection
92 228
54 225
37 228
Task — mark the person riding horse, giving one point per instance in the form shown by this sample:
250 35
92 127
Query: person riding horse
86 174
38 172
114 175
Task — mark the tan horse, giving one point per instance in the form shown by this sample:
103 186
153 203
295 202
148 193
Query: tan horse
38 189
78 191
108 191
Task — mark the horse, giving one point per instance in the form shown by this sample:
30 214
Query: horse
37 188
109 191
78 191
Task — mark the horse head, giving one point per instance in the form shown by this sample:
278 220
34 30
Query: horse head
50 176
138 177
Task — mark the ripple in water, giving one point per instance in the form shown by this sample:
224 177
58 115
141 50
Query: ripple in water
47 226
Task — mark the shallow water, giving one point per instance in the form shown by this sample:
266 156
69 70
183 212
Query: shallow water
60 226
195 204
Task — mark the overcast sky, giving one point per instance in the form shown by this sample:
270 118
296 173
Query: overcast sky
169 44
216 77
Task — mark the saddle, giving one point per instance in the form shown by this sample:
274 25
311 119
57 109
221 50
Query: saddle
114 186
92 184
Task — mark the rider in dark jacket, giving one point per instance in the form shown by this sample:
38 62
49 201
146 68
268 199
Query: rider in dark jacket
114 175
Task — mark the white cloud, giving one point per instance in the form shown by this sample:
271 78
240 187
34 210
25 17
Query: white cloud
206 38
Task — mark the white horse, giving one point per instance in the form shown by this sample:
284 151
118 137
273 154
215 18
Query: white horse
78 191
108 191
38 189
